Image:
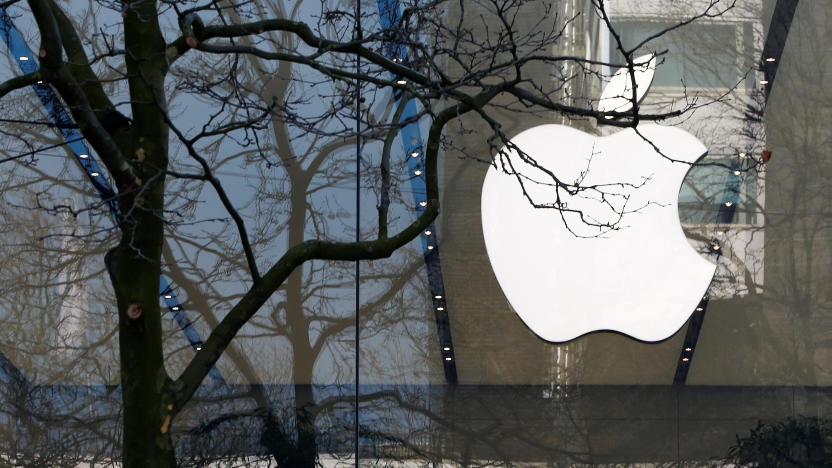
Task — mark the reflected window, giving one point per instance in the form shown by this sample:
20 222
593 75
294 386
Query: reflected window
719 191
701 55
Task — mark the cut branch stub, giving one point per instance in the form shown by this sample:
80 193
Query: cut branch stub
134 311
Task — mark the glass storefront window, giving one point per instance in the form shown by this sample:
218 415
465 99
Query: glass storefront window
703 55
419 358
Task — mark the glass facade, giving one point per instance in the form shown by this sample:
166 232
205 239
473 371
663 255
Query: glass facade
440 369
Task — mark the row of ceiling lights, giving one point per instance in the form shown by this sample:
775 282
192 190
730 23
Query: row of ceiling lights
769 60
175 307
687 351
715 245
438 299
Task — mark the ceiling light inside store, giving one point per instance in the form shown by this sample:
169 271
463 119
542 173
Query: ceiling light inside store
770 59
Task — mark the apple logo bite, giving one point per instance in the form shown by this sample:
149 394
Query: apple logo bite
605 249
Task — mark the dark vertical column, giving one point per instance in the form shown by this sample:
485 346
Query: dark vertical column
776 37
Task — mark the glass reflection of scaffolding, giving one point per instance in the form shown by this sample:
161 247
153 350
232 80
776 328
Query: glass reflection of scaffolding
564 370
72 314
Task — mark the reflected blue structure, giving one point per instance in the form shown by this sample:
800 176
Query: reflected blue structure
477 424
411 137
75 142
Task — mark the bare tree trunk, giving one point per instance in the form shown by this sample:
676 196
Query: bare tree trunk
149 406
306 452
144 383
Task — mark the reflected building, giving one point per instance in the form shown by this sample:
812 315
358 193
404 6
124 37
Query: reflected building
757 349
746 355
71 318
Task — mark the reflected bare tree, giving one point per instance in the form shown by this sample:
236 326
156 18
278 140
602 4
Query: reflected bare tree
228 130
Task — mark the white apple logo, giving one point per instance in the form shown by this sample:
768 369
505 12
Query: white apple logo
565 277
